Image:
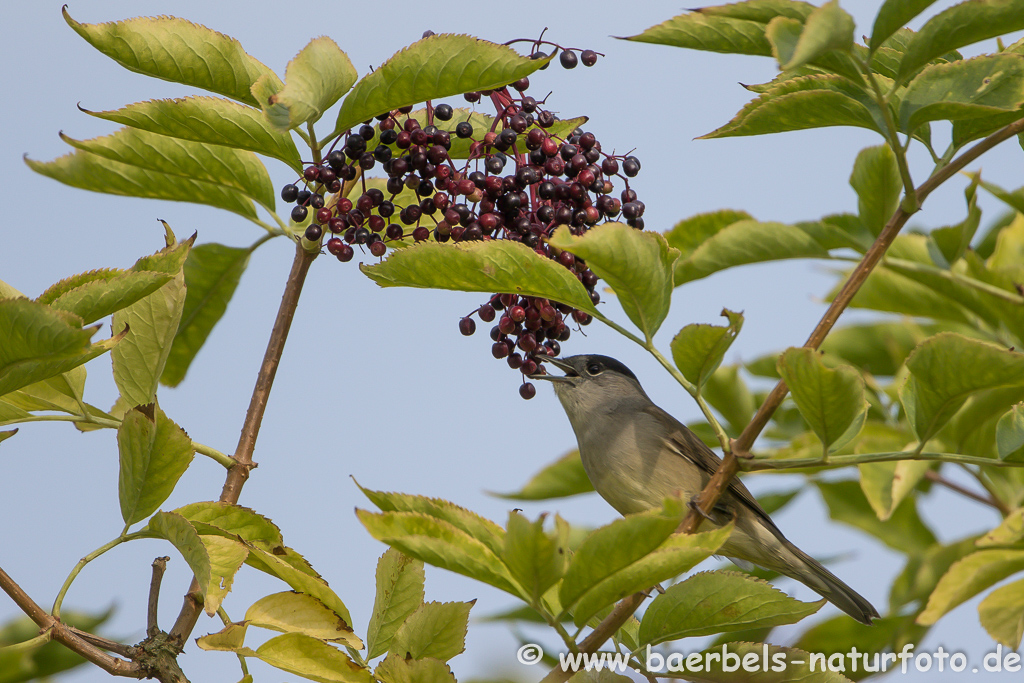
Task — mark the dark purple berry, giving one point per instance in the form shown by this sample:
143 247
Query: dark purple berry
527 390
378 249
443 112
289 193
467 326
314 232
299 213
568 59
631 166
346 253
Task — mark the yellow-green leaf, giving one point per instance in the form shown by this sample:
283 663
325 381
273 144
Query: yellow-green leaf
154 453
314 80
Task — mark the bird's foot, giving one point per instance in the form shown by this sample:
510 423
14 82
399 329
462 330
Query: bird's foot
692 504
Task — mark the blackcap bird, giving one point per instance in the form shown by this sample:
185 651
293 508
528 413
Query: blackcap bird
636 455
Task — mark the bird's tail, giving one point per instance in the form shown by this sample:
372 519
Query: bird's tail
812 574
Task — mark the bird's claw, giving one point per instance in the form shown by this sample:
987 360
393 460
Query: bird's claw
692 504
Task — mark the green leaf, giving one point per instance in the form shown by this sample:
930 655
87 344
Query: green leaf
764 664
688 234
479 528
313 81
892 16
954 240
828 28
814 101
231 638
154 453
714 602
968 577
439 543
291 612
878 348
966 130
886 484
744 242
1010 434
233 521
210 120
46 660
784 33
38 342
962 24
676 555
887 290
226 557
535 558
727 393
835 639
923 571
151 323
947 369
985 85
876 179
1009 531
7 434
436 630
436 66
399 593
1002 614
173 527
311 658
98 174
98 293
232 169
176 50
491 266
294 571
830 399
637 265
615 546
563 478
398 670
700 30
212 273
698 349
903 531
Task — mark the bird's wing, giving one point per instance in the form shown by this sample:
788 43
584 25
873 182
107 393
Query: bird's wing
688 445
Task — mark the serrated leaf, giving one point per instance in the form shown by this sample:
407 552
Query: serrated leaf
311 658
176 50
154 453
398 670
827 28
173 527
701 30
233 521
230 168
698 349
945 370
1002 614
713 602
491 266
690 233
679 553
1010 435
968 577
294 571
615 546
436 66
637 265
92 298
151 323
892 16
960 25
876 180
226 558
292 612
535 558
744 242
563 478
209 120
435 630
313 81
38 342
886 484
982 86
903 531
98 174
212 273
399 593
830 399
814 101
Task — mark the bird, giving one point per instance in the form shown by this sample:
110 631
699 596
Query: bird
636 455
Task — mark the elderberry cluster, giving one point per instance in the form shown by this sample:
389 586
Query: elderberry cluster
526 175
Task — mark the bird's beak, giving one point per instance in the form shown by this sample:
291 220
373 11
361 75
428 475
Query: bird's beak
561 365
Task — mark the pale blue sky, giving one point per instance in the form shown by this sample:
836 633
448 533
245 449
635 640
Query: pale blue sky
378 384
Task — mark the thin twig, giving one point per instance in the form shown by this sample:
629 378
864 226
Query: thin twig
935 477
159 567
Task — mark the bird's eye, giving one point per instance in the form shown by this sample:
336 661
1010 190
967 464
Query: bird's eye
594 369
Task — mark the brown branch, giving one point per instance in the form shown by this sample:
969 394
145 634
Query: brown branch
159 567
730 463
991 501
239 472
66 637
